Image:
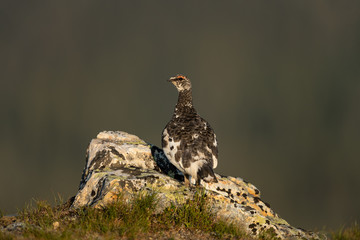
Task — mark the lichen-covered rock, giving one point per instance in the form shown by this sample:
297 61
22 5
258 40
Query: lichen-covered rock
118 162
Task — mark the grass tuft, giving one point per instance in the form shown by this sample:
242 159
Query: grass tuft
121 219
349 233
193 214
196 214
5 236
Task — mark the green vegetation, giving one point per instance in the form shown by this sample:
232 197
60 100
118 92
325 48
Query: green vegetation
349 233
136 219
196 214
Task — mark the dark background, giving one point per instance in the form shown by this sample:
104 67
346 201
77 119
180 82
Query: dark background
279 81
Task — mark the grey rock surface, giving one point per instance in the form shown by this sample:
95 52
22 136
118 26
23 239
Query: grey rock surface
118 162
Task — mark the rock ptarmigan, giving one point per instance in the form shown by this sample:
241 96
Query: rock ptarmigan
188 140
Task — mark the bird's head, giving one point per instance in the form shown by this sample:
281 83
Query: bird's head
180 82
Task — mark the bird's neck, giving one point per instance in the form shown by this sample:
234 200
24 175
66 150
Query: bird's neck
184 100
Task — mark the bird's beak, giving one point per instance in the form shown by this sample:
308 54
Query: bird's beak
171 79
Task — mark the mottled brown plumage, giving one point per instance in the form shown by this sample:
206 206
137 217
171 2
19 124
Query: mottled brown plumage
188 140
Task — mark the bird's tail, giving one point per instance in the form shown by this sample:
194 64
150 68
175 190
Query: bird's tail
206 173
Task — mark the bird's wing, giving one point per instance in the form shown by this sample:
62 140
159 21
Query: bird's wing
199 143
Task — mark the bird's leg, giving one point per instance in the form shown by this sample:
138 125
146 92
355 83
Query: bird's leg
186 179
198 182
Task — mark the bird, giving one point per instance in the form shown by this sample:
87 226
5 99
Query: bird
188 140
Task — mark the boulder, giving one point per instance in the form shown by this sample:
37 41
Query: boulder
119 162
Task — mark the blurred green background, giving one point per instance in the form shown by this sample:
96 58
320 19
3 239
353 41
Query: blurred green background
279 81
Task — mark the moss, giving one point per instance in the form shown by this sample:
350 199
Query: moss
269 234
172 192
